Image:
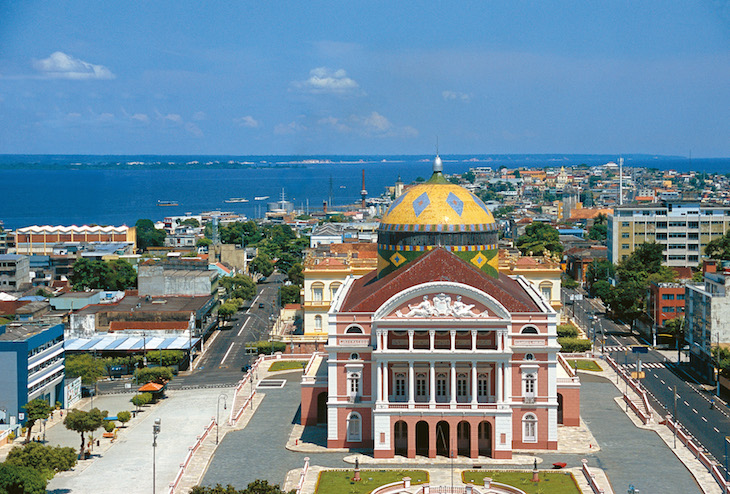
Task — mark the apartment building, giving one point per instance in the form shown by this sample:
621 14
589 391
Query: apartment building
684 228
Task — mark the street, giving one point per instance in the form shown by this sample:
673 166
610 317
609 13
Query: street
701 413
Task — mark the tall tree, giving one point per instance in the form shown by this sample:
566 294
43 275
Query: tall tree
117 274
719 248
37 409
82 422
17 479
46 459
148 235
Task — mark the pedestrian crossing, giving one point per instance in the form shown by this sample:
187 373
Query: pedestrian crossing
614 348
644 365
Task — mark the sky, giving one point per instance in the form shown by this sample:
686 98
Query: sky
365 77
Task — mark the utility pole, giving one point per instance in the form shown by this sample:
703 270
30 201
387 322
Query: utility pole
676 423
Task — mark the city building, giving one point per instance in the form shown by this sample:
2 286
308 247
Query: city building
684 228
338 233
579 258
437 352
707 319
41 239
665 301
177 277
7 241
14 272
31 366
325 270
543 272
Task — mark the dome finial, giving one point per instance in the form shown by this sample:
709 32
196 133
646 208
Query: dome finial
438 165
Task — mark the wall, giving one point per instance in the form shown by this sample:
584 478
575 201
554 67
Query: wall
9 382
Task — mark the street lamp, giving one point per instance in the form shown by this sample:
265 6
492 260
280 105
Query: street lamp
217 413
155 432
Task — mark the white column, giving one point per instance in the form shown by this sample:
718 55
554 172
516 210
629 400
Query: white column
453 382
473 340
410 340
474 391
453 339
385 340
411 381
379 384
431 339
432 384
379 339
386 397
499 382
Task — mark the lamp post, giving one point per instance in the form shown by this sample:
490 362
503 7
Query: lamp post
217 413
155 432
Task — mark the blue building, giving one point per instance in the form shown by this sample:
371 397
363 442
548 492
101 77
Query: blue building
31 366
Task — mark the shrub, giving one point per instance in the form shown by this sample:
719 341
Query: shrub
124 417
574 345
567 331
141 399
109 426
153 374
265 347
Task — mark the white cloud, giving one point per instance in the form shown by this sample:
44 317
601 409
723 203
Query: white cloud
106 117
371 125
290 128
140 117
375 122
172 117
247 121
193 129
455 95
324 80
199 115
62 66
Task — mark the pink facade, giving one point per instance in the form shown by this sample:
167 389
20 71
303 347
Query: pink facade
441 359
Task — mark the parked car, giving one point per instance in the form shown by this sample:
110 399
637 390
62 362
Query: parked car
261 305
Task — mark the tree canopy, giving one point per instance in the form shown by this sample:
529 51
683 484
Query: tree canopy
82 422
239 286
37 409
255 487
117 274
19 479
290 294
148 235
48 460
538 238
719 248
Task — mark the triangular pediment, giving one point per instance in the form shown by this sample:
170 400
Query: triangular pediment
442 301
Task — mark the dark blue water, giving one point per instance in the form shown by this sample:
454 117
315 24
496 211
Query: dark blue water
106 190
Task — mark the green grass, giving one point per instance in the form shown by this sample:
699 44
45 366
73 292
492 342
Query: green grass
551 482
338 481
585 364
287 365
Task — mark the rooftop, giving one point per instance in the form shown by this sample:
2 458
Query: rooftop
21 332
154 304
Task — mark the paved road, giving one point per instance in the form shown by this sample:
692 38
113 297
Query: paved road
709 426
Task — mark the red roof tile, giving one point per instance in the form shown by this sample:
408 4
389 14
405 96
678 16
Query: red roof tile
369 293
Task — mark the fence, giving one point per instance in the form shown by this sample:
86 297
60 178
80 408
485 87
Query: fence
591 478
695 449
191 451
645 414
303 475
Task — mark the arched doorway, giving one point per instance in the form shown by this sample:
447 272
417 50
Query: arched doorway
443 439
463 439
485 438
322 408
560 408
400 431
422 438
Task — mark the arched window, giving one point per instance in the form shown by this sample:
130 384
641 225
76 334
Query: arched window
546 289
529 330
354 427
318 323
334 286
354 356
529 428
529 356
354 330
317 292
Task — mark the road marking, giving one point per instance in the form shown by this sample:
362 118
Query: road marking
703 418
662 380
226 355
716 430
657 377
686 403
243 326
695 411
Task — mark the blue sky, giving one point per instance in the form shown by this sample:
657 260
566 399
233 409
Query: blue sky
375 77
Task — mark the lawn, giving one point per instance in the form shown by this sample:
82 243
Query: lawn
551 482
338 481
287 365
585 364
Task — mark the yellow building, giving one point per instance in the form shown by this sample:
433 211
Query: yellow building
543 272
